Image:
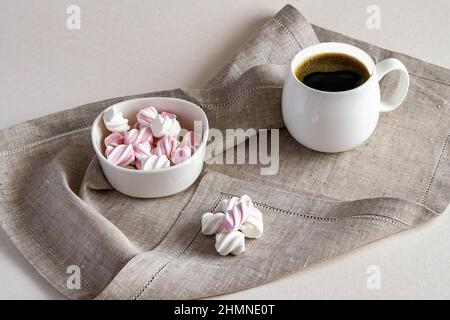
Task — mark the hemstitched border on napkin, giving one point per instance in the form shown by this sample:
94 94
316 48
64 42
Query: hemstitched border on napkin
435 171
53 254
286 29
224 195
147 284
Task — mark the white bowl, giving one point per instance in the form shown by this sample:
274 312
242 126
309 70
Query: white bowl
162 182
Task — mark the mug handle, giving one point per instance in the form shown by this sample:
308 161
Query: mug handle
399 94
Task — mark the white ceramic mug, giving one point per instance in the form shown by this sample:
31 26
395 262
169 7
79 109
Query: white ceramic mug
338 121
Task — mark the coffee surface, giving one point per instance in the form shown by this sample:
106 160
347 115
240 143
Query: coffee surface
332 72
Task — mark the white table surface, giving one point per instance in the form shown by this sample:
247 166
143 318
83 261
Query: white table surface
134 46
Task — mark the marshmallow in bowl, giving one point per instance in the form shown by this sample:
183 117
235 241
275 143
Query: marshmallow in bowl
181 154
139 161
168 114
115 121
153 162
191 140
146 115
153 135
143 149
164 125
114 139
141 152
136 136
167 146
121 155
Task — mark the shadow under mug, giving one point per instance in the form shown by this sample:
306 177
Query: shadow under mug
339 121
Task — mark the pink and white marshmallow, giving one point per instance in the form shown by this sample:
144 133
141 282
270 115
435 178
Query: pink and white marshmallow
121 155
168 114
115 121
136 136
114 139
235 217
146 115
143 148
141 152
166 146
165 125
155 162
192 140
253 226
180 155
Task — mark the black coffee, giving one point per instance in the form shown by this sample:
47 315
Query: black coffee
332 72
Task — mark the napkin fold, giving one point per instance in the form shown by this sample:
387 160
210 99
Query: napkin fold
60 211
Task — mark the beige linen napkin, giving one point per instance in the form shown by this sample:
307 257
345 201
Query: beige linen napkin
60 210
